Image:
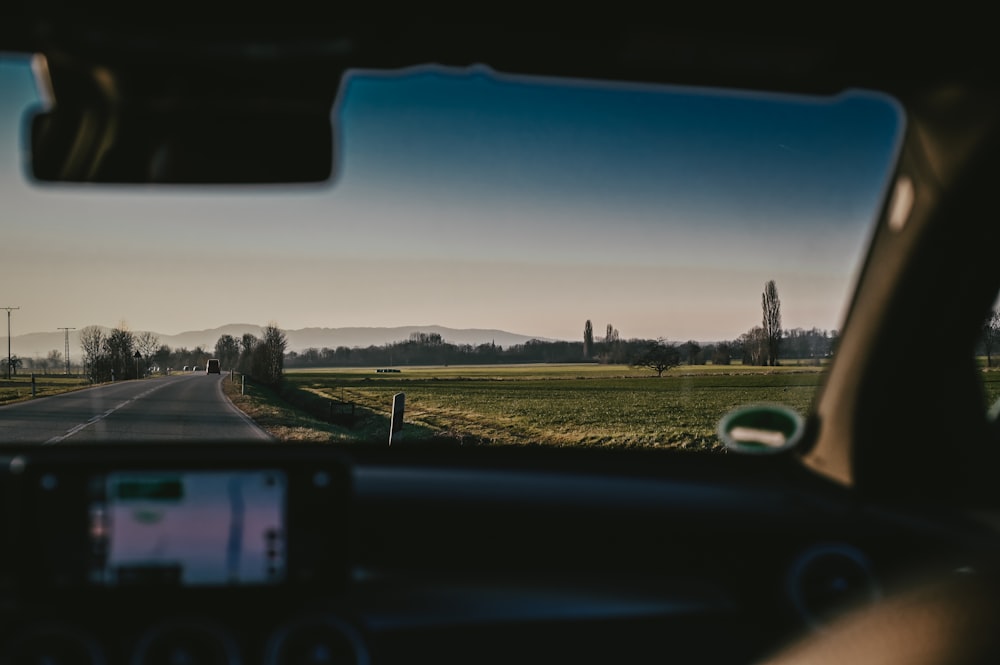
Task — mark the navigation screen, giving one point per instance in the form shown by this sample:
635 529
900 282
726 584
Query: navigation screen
188 528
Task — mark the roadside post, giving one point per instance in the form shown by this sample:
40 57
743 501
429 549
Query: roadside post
396 426
32 384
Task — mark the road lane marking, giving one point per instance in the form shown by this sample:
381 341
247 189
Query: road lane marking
70 432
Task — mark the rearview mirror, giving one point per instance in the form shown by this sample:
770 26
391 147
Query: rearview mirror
227 145
198 121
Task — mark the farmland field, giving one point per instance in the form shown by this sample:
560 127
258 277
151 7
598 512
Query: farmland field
574 404
991 385
19 387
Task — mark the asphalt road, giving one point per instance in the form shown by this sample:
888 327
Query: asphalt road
182 407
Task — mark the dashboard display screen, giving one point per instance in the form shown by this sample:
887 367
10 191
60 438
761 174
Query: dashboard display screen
188 528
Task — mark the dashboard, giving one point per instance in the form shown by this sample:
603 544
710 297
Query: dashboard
283 553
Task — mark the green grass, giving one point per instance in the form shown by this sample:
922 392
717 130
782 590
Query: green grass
991 384
551 370
282 420
18 388
553 404
590 405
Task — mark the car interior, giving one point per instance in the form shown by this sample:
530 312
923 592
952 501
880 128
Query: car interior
872 537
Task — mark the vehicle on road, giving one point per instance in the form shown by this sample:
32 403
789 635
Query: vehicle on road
731 203
213 367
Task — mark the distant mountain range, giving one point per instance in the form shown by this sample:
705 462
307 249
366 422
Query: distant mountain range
31 345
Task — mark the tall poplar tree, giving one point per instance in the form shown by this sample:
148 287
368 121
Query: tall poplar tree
771 305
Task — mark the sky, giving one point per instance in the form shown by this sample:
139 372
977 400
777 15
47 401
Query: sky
473 199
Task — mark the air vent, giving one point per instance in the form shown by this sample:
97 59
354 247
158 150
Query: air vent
827 580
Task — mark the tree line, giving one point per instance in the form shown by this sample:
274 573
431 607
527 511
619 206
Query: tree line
989 338
766 344
120 354
432 349
111 354
261 358
797 344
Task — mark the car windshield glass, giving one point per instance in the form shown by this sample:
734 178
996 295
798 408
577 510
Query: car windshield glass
527 260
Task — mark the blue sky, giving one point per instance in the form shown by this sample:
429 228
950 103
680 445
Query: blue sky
468 198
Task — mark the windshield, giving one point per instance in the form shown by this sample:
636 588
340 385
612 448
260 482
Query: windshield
527 260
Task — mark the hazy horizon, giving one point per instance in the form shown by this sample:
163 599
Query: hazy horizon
477 200
28 344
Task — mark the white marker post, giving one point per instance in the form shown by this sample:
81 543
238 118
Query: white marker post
396 426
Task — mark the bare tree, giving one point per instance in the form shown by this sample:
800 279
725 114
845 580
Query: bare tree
199 356
92 344
14 364
691 352
990 336
227 350
722 354
588 339
612 350
269 356
54 360
162 357
119 347
771 305
147 343
248 342
658 356
752 346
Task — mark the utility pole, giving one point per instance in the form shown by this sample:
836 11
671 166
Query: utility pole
8 338
67 348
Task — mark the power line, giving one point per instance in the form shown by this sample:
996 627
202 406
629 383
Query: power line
8 338
67 348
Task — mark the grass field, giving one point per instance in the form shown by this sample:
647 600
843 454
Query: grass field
18 388
576 404
572 404
991 385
